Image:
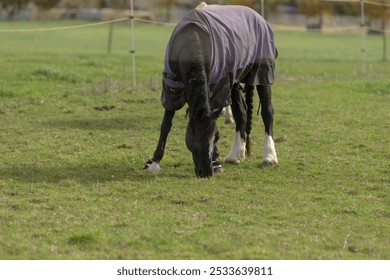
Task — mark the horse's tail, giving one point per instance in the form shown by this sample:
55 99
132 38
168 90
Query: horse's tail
249 105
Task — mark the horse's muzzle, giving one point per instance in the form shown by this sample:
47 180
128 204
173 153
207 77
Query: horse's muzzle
204 173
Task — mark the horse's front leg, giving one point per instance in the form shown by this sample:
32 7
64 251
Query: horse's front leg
227 112
267 113
153 165
237 153
217 167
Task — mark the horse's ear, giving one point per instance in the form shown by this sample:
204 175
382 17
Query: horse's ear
202 4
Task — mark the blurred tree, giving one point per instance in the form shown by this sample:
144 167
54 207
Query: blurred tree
275 3
12 7
269 5
309 8
46 4
77 4
168 5
272 5
73 4
381 13
248 3
344 8
116 4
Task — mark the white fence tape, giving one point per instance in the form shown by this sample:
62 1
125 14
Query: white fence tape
63 27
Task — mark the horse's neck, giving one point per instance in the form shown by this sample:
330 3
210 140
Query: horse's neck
193 47
194 63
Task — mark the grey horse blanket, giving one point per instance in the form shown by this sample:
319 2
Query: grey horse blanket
242 51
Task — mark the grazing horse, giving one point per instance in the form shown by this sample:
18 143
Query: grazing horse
211 51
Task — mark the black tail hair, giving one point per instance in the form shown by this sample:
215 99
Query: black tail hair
249 105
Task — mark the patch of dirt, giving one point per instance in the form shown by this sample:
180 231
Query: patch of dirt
104 108
124 146
140 101
280 139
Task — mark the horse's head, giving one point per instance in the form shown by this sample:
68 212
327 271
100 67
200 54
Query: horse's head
200 141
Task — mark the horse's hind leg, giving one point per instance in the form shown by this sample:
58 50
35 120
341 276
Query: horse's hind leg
153 165
267 113
237 153
249 112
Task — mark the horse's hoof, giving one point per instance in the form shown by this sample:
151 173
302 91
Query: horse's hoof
268 164
152 167
235 159
232 160
217 167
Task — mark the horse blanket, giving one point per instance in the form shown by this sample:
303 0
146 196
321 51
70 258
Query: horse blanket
242 51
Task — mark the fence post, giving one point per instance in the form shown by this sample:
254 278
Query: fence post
363 37
109 44
262 8
384 57
133 43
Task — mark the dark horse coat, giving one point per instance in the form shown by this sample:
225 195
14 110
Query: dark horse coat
242 50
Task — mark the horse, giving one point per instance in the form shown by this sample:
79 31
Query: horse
212 51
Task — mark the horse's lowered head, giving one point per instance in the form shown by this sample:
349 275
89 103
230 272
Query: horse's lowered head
201 129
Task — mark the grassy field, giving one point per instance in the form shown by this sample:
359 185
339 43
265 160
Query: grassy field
74 137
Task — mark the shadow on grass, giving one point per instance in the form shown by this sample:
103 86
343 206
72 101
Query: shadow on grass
109 123
80 170
102 172
83 173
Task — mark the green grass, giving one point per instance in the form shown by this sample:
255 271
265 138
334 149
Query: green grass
71 178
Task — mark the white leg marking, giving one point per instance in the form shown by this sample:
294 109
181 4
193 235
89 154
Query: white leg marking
228 115
237 153
270 158
211 147
153 167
